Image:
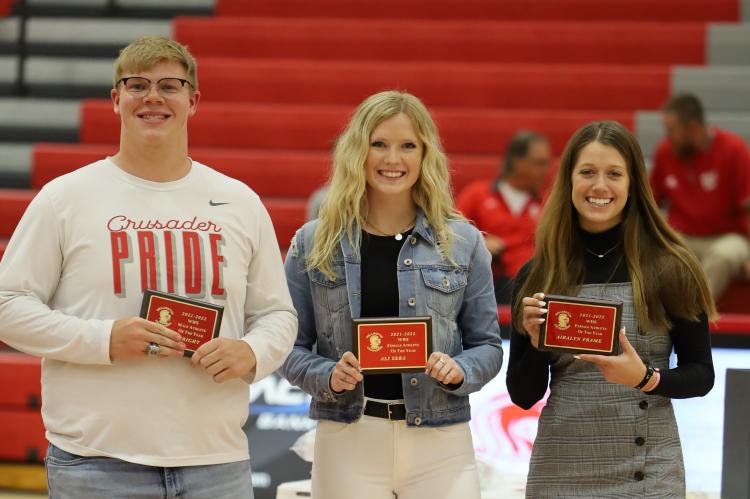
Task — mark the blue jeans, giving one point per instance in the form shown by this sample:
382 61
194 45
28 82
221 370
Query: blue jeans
70 476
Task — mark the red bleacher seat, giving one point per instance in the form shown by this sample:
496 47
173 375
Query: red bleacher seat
572 10
13 203
301 171
466 41
287 214
3 244
20 377
463 130
21 431
736 298
732 324
5 6
22 436
510 86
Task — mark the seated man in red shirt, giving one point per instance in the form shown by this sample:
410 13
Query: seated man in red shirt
506 208
702 176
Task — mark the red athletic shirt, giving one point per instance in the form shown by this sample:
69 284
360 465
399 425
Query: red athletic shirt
482 204
708 193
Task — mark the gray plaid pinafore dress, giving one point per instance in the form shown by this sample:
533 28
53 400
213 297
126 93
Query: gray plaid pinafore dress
602 440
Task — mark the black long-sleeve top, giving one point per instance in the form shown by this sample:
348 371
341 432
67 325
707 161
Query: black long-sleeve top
528 368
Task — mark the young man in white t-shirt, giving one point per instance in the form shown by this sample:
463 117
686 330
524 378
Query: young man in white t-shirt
126 414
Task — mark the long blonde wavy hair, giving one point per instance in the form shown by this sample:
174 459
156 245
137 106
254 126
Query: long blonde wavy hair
345 207
665 275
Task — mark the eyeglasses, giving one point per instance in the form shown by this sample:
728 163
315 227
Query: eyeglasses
140 86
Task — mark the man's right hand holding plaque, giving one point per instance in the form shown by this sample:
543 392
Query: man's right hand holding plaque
197 322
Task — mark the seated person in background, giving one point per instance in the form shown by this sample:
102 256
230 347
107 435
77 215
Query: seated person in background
507 208
702 175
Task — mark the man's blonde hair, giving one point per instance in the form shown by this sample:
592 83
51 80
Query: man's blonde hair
145 52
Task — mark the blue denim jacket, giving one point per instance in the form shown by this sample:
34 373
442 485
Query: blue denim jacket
460 300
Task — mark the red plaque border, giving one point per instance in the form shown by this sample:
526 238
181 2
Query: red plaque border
426 320
593 302
219 309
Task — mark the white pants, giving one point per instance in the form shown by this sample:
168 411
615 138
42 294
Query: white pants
722 258
375 458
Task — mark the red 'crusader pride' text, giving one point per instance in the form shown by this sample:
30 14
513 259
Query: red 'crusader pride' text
159 246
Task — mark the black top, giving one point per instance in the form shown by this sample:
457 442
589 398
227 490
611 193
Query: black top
380 299
528 368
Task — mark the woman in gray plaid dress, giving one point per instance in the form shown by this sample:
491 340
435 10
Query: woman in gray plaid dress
608 429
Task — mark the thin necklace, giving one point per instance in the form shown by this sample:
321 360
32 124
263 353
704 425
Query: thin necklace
397 235
614 271
602 255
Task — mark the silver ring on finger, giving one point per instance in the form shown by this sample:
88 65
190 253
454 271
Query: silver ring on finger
153 349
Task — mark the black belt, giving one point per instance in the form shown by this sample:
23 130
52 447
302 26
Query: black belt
385 410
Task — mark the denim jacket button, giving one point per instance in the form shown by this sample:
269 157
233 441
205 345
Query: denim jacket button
412 302
413 240
407 261
446 282
414 381
417 421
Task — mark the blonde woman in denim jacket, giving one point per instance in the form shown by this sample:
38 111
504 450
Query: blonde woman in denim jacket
390 243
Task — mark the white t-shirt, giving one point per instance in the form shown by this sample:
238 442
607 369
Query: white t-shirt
515 199
84 251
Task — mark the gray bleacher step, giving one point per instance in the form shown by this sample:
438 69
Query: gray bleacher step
8 72
8 29
8 36
68 71
649 129
720 88
15 166
63 77
94 31
120 8
175 4
728 44
100 37
35 119
68 77
745 10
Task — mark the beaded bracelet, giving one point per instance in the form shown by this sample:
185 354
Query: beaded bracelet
646 378
651 386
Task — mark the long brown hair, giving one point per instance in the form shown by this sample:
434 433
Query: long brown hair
666 277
